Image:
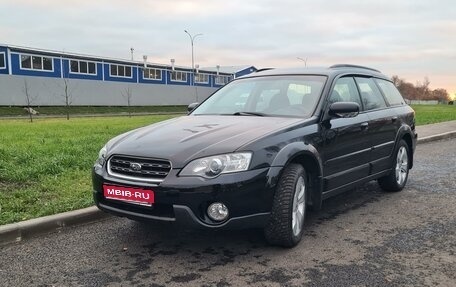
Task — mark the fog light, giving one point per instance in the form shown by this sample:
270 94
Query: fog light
217 211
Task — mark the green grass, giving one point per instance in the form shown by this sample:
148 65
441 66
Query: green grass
84 110
429 114
45 166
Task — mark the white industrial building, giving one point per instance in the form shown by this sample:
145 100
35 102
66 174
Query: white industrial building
101 81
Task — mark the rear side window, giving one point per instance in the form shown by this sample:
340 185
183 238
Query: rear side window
391 93
370 94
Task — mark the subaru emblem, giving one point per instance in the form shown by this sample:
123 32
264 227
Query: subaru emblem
135 166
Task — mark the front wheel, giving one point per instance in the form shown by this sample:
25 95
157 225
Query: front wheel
397 179
286 223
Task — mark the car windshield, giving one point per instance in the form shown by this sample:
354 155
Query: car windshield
294 96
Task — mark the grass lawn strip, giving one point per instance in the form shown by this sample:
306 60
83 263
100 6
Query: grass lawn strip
45 166
430 114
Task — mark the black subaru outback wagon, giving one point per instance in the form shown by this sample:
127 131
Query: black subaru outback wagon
261 150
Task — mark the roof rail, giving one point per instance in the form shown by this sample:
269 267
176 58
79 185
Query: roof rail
264 69
353 66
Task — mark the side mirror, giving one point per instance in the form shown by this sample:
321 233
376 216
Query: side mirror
191 107
344 109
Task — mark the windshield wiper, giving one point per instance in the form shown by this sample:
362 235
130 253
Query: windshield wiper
249 114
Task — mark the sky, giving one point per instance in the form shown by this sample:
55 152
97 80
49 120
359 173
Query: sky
409 38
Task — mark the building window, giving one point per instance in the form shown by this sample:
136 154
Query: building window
39 63
178 76
83 67
152 74
202 78
120 71
222 80
2 60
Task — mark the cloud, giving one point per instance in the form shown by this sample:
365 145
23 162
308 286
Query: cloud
411 37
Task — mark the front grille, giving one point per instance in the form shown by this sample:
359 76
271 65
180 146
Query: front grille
143 169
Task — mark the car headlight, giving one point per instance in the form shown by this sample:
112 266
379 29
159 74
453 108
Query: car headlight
102 156
212 166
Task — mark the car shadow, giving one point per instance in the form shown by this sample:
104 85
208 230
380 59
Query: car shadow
150 245
169 234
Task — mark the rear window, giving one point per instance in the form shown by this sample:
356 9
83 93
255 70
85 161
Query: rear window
391 93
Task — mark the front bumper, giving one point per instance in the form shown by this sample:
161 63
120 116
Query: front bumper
184 200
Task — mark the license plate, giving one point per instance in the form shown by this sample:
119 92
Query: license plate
129 194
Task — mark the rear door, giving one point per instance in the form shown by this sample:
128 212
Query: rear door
382 124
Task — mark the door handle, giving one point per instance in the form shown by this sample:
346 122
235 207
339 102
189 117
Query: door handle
394 119
364 125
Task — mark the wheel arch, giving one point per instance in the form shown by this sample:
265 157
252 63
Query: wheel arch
307 156
405 133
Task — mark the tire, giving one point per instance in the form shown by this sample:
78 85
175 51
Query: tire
397 179
285 226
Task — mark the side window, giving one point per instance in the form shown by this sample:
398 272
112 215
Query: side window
391 93
370 94
345 91
2 60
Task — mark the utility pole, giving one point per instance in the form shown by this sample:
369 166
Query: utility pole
304 60
192 40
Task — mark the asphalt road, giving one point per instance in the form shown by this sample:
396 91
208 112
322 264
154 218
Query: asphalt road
364 237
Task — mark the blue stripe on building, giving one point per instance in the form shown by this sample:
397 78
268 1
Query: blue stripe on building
17 70
143 80
61 67
72 75
133 78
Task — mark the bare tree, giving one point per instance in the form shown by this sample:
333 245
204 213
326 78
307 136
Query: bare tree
423 88
67 86
397 81
29 99
440 95
128 94
68 96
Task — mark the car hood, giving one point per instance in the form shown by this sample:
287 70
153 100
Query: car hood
183 139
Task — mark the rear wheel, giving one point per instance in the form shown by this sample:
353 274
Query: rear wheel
397 179
286 223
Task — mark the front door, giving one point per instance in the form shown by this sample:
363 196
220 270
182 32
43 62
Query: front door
346 141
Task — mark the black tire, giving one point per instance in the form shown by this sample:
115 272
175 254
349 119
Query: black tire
279 230
391 181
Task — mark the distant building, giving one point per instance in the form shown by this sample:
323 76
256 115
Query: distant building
102 81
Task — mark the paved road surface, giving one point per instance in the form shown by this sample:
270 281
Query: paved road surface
364 237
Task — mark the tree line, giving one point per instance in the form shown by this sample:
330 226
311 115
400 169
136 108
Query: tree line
420 90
